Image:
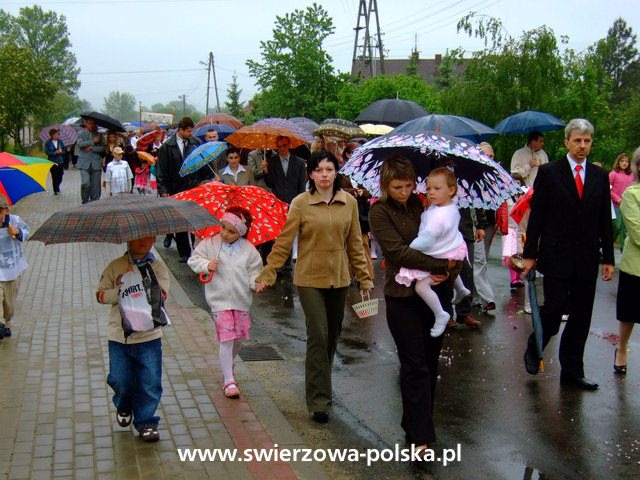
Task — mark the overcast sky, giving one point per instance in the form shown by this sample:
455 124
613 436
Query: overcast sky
152 48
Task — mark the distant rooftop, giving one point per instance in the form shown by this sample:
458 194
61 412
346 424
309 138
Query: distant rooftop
428 68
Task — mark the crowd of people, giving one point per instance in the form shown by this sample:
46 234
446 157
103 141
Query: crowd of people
435 256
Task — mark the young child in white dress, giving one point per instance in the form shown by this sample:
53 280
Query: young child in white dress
118 175
439 237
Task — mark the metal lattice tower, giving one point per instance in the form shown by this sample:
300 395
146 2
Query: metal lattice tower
363 59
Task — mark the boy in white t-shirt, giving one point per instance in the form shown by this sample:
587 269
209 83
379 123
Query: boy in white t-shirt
118 175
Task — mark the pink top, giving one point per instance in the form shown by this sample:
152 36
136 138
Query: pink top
619 182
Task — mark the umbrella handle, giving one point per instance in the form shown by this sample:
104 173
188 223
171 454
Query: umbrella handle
206 278
542 365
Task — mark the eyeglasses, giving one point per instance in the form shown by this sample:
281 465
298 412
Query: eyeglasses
282 145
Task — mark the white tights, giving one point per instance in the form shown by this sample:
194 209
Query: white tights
228 352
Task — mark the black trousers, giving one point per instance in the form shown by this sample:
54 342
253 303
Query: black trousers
561 295
410 320
57 172
183 243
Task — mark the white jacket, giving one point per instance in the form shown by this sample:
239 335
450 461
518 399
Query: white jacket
239 265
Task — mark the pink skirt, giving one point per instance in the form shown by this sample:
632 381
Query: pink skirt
406 276
231 324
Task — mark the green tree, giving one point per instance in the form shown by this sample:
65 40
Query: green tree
617 51
234 105
414 60
120 105
296 75
46 36
62 106
25 89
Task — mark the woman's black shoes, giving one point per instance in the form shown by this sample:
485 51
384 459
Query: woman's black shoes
622 369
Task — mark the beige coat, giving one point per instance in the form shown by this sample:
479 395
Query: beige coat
108 294
329 239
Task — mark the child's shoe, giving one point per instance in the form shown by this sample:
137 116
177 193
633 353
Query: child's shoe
440 324
459 295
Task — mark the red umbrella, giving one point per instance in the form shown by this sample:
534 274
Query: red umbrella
147 139
268 214
224 118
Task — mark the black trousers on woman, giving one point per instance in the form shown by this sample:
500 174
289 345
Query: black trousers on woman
57 172
410 320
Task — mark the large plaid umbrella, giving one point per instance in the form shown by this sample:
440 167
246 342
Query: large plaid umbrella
121 218
21 176
482 183
268 214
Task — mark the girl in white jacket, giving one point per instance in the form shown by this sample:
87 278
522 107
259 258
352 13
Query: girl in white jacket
234 264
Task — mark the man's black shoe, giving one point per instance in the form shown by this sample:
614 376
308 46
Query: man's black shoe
7 331
531 361
167 242
184 259
580 382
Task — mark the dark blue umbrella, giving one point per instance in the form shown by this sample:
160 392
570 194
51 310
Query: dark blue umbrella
391 111
223 130
454 125
536 319
528 121
305 123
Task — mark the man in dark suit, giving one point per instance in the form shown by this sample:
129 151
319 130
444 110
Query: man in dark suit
286 176
570 222
171 155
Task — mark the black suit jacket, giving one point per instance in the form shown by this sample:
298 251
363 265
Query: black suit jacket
168 165
286 188
565 233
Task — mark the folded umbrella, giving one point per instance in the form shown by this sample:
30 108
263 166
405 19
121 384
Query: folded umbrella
268 214
104 121
21 176
482 182
121 218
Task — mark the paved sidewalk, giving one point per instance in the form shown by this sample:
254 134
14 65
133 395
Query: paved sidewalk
56 415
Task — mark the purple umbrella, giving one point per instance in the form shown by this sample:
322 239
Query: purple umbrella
289 125
66 133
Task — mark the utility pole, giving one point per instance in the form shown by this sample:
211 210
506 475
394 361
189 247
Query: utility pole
365 60
184 104
215 84
209 65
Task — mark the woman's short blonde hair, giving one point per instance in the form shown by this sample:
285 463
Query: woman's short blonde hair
393 168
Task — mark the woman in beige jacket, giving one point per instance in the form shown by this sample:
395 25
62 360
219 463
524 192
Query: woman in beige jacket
325 218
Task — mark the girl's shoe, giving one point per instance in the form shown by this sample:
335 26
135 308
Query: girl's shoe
231 390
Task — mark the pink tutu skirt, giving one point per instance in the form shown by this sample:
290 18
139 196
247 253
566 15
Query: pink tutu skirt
406 276
231 324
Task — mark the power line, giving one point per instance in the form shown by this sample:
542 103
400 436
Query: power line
181 70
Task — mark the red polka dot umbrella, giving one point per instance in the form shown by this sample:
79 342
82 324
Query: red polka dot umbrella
268 214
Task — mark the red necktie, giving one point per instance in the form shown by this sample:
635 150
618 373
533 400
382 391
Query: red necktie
579 184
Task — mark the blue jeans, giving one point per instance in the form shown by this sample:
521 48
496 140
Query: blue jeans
136 379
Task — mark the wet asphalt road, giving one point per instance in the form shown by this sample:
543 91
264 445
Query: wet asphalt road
509 424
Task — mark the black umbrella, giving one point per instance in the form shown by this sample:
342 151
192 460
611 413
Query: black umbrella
528 121
104 121
391 111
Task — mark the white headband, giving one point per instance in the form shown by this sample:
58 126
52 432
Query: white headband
238 223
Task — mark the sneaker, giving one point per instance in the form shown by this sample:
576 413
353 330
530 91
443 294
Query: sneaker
7 331
124 419
321 416
149 434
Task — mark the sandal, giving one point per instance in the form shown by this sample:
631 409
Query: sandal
149 434
124 419
231 390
